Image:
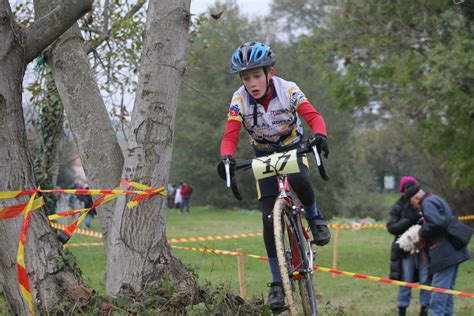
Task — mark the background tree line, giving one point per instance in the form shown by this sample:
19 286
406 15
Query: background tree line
393 80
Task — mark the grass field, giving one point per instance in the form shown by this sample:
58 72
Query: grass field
364 251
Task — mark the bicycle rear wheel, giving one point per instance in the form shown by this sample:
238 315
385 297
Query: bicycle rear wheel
293 260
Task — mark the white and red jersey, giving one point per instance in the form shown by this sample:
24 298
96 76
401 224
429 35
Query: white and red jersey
278 124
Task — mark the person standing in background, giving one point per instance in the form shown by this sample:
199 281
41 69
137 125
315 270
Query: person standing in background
405 266
178 198
444 258
186 191
86 199
171 194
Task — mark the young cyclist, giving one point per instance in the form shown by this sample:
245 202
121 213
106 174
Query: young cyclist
269 108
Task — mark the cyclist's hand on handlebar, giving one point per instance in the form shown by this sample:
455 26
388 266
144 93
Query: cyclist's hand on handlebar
221 167
319 140
226 170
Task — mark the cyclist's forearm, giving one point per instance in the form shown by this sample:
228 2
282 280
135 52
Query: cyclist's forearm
313 118
231 138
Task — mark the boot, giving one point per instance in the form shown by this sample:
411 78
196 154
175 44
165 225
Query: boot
319 229
276 297
424 311
402 311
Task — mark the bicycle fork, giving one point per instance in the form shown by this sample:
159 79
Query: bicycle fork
310 252
283 188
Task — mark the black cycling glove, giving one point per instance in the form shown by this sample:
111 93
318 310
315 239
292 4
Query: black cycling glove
321 144
221 168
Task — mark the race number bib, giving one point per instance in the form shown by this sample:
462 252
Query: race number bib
281 163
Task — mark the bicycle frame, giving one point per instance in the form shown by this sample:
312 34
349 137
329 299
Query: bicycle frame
296 245
284 193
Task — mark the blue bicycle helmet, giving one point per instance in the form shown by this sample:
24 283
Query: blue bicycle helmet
251 55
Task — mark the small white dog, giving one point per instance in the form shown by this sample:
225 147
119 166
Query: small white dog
408 240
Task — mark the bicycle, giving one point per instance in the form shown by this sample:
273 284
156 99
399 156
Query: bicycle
295 252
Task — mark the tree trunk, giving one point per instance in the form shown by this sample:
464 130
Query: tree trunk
90 123
50 272
139 254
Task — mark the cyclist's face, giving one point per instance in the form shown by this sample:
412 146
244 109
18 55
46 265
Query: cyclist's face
255 81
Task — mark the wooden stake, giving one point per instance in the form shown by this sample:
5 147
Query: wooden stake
335 251
242 280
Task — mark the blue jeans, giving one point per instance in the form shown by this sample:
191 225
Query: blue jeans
442 304
409 265
88 220
185 205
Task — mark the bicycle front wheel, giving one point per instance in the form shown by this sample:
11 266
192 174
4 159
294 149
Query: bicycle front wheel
293 260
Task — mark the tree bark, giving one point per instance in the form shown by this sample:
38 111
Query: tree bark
139 254
87 115
49 279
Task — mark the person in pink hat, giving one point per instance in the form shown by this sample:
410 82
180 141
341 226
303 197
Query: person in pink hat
405 266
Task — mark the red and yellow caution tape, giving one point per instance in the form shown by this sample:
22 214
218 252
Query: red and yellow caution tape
92 233
67 214
21 266
79 230
466 217
316 268
85 244
67 233
210 238
35 204
390 281
149 191
16 210
14 194
339 272
356 226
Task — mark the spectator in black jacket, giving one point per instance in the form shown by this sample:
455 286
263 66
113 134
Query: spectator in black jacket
405 266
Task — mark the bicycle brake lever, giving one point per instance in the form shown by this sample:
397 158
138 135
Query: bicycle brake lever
316 154
227 171
319 162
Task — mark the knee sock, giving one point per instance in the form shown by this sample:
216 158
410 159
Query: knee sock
311 211
273 263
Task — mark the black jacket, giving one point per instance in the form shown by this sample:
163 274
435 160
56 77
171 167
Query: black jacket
88 202
402 217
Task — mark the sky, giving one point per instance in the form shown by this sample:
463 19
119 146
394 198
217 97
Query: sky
248 7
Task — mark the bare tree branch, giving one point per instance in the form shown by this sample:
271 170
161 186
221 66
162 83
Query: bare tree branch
92 45
47 29
204 94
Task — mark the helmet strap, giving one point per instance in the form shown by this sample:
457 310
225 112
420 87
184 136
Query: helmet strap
260 100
